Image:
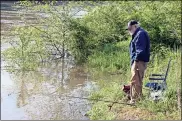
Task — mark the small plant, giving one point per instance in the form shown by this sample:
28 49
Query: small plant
100 111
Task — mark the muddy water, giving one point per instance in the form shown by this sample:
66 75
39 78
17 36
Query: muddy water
42 94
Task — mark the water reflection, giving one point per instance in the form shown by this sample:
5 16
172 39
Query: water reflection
41 94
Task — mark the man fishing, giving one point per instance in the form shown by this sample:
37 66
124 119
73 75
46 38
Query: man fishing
139 49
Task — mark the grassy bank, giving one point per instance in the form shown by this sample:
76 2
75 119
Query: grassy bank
111 58
112 69
98 39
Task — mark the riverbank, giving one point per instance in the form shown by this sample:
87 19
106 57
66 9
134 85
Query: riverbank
110 89
70 55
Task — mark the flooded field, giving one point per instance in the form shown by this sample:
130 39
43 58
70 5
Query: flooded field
43 94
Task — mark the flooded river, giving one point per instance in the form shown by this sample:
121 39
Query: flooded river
41 95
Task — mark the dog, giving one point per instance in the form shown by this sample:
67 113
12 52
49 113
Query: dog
126 90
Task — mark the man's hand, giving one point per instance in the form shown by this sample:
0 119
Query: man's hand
136 60
135 65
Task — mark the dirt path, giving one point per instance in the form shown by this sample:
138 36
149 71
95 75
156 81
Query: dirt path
133 113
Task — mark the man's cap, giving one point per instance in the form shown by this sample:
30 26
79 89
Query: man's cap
130 23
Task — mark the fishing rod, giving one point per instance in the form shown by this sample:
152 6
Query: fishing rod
86 98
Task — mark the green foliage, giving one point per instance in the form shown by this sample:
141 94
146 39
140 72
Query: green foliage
111 58
105 24
27 50
160 19
160 23
100 111
79 46
98 32
99 39
43 41
165 108
111 91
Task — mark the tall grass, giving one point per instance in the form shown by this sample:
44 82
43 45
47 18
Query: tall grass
111 58
110 89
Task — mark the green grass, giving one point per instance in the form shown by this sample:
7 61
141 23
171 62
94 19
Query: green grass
111 58
109 61
101 112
